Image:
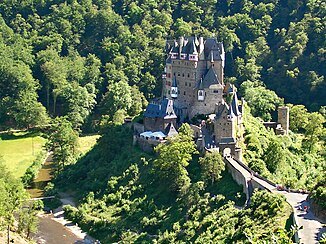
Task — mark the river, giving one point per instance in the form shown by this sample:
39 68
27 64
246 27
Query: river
50 230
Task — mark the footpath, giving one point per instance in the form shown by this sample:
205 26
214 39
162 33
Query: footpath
313 228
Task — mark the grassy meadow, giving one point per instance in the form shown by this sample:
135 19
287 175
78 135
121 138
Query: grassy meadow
19 149
85 143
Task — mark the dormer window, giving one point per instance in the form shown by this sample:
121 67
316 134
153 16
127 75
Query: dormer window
193 57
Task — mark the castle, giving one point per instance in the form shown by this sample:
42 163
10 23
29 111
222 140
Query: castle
194 75
193 84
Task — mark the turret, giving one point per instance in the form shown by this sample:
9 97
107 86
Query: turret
201 92
164 73
174 88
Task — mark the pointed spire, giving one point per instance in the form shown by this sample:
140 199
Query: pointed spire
230 113
235 104
200 86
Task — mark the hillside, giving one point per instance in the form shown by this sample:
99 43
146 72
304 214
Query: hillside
123 198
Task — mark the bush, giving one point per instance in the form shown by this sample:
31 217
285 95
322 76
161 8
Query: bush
33 169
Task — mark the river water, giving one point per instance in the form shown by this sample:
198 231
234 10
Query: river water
50 231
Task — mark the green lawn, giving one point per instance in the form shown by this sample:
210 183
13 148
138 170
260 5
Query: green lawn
19 149
85 143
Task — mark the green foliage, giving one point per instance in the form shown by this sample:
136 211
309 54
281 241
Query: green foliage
62 142
15 206
212 166
124 199
262 102
174 157
286 160
33 169
319 193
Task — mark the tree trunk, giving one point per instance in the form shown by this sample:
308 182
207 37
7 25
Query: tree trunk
48 97
8 235
54 103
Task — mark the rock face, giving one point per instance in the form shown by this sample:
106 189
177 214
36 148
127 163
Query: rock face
318 211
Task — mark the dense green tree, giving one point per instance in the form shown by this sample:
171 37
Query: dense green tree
212 166
62 142
174 157
314 129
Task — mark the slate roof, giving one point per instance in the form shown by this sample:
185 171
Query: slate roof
220 109
213 50
163 110
235 104
227 140
212 45
210 79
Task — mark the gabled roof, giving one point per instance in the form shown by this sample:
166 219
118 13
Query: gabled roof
230 112
164 110
220 109
212 44
210 78
192 48
170 130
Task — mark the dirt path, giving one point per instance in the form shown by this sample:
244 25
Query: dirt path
58 216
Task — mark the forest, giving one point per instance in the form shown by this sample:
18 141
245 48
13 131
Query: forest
76 58
70 67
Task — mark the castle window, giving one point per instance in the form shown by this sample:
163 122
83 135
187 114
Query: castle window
188 75
169 91
179 92
183 75
185 83
184 93
178 74
215 91
213 65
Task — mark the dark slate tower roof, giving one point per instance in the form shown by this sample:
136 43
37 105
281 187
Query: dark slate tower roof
210 78
192 47
164 110
230 112
235 104
213 47
200 85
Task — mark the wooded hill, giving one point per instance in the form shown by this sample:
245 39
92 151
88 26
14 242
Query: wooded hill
68 57
131 197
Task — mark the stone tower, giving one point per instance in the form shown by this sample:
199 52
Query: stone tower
193 75
283 118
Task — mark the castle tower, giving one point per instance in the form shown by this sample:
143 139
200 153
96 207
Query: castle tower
197 66
283 118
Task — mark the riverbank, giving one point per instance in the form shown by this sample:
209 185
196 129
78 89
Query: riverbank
54 228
